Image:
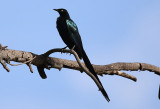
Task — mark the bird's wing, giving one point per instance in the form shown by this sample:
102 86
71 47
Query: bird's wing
73 29
71 25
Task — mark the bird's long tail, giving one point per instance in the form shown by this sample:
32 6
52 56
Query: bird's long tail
91 69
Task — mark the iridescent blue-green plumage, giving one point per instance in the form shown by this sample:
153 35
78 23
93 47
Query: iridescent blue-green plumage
69 33
71 25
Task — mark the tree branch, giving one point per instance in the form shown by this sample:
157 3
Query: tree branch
78 60
42 61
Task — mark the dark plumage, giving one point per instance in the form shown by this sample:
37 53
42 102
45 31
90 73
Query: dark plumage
70 35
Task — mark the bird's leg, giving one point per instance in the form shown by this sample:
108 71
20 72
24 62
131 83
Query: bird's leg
73 47
63 49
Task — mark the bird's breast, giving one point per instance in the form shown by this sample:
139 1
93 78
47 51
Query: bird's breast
64 32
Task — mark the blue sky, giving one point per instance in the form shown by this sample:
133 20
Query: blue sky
111 30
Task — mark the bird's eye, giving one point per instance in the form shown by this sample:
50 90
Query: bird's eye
62 10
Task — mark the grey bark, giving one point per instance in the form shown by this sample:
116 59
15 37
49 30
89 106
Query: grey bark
43 61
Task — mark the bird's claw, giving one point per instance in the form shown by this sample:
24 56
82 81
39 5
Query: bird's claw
72 49
63 49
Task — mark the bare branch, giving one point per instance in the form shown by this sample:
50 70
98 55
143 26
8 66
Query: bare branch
51 62
78 60
29 61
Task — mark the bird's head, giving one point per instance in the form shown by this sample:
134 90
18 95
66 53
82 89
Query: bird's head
62 12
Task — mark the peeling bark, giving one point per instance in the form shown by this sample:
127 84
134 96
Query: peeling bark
7 55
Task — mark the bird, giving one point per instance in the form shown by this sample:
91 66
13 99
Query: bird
69 33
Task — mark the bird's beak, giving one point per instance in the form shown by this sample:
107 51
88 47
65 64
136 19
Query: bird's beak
55 9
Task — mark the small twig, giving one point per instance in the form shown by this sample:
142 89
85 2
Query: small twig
85 69
3 48
4 65
126 75
120 73
30 67
22 63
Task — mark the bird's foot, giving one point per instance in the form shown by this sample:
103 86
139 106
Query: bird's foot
63 49
73 47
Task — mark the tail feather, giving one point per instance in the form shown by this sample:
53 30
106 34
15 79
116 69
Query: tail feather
105 94
91 69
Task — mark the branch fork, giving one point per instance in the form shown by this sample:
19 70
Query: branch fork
44 61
